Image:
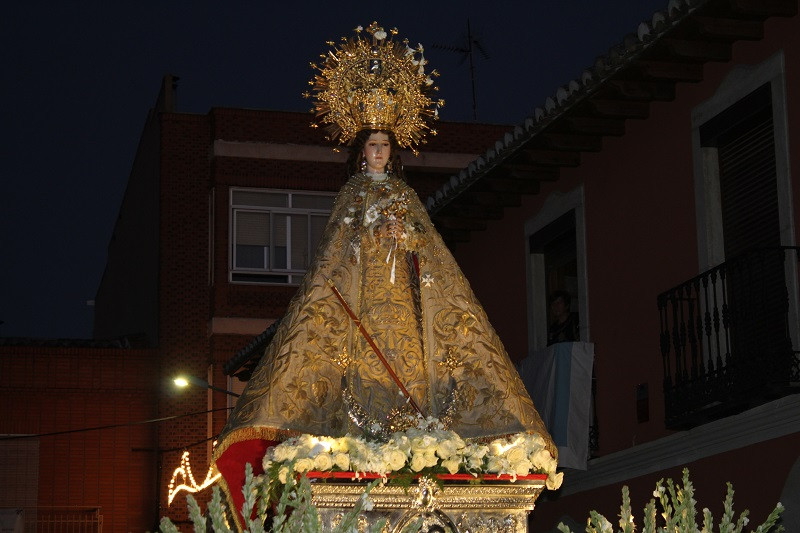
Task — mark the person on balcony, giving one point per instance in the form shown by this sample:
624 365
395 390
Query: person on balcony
564 324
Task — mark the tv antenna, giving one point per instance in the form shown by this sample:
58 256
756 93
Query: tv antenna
473 46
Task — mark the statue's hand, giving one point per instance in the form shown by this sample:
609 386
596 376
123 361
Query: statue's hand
395 229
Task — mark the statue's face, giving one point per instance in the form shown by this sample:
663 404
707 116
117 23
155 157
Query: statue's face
377 151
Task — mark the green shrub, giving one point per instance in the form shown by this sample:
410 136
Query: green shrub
678 513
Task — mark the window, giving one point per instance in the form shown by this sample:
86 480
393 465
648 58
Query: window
274 233
556 261
740 136
560 376
557 245
743 187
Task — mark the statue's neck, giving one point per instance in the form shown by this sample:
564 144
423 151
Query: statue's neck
377 176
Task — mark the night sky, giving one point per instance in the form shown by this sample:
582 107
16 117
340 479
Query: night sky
80 77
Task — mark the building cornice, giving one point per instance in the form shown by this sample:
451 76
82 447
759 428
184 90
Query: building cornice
769 421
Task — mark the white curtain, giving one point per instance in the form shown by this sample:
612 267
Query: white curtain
559 380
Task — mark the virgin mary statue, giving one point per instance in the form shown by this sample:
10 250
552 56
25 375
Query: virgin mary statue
384 323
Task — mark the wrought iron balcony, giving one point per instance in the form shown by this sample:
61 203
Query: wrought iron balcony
727 337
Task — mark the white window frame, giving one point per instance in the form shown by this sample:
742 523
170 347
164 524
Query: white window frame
741 81
555 206
292 275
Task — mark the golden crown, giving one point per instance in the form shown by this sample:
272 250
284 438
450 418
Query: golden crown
375 83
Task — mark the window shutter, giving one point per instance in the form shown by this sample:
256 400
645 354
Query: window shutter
252 228
749 189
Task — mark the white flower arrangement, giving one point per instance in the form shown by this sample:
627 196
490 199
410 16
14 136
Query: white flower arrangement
425 449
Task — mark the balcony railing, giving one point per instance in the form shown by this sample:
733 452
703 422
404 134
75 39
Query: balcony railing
63 519
726 338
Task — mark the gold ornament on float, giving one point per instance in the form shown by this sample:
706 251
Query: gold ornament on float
375 83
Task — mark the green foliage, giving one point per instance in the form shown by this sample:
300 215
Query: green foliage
678 513
294 511
166 526
216 510
196 514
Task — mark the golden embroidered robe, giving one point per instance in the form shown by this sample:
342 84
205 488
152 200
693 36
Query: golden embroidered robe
414 301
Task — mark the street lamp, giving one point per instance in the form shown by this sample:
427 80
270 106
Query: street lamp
185 381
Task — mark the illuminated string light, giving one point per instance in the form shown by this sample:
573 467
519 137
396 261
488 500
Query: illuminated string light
188 483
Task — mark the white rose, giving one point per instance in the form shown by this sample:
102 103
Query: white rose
446 449
323 462
430 458
554 481
541 459
418 462
395 459
342 460
452 465
281 453
516 454
522 467
303 465
283 474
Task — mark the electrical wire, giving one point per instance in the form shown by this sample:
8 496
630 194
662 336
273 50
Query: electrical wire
112 426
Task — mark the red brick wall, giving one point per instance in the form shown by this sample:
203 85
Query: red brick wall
183 291
49 389
251 125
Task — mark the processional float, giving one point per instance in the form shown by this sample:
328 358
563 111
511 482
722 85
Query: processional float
385 365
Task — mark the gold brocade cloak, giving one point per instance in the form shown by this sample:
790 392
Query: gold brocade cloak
415 303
